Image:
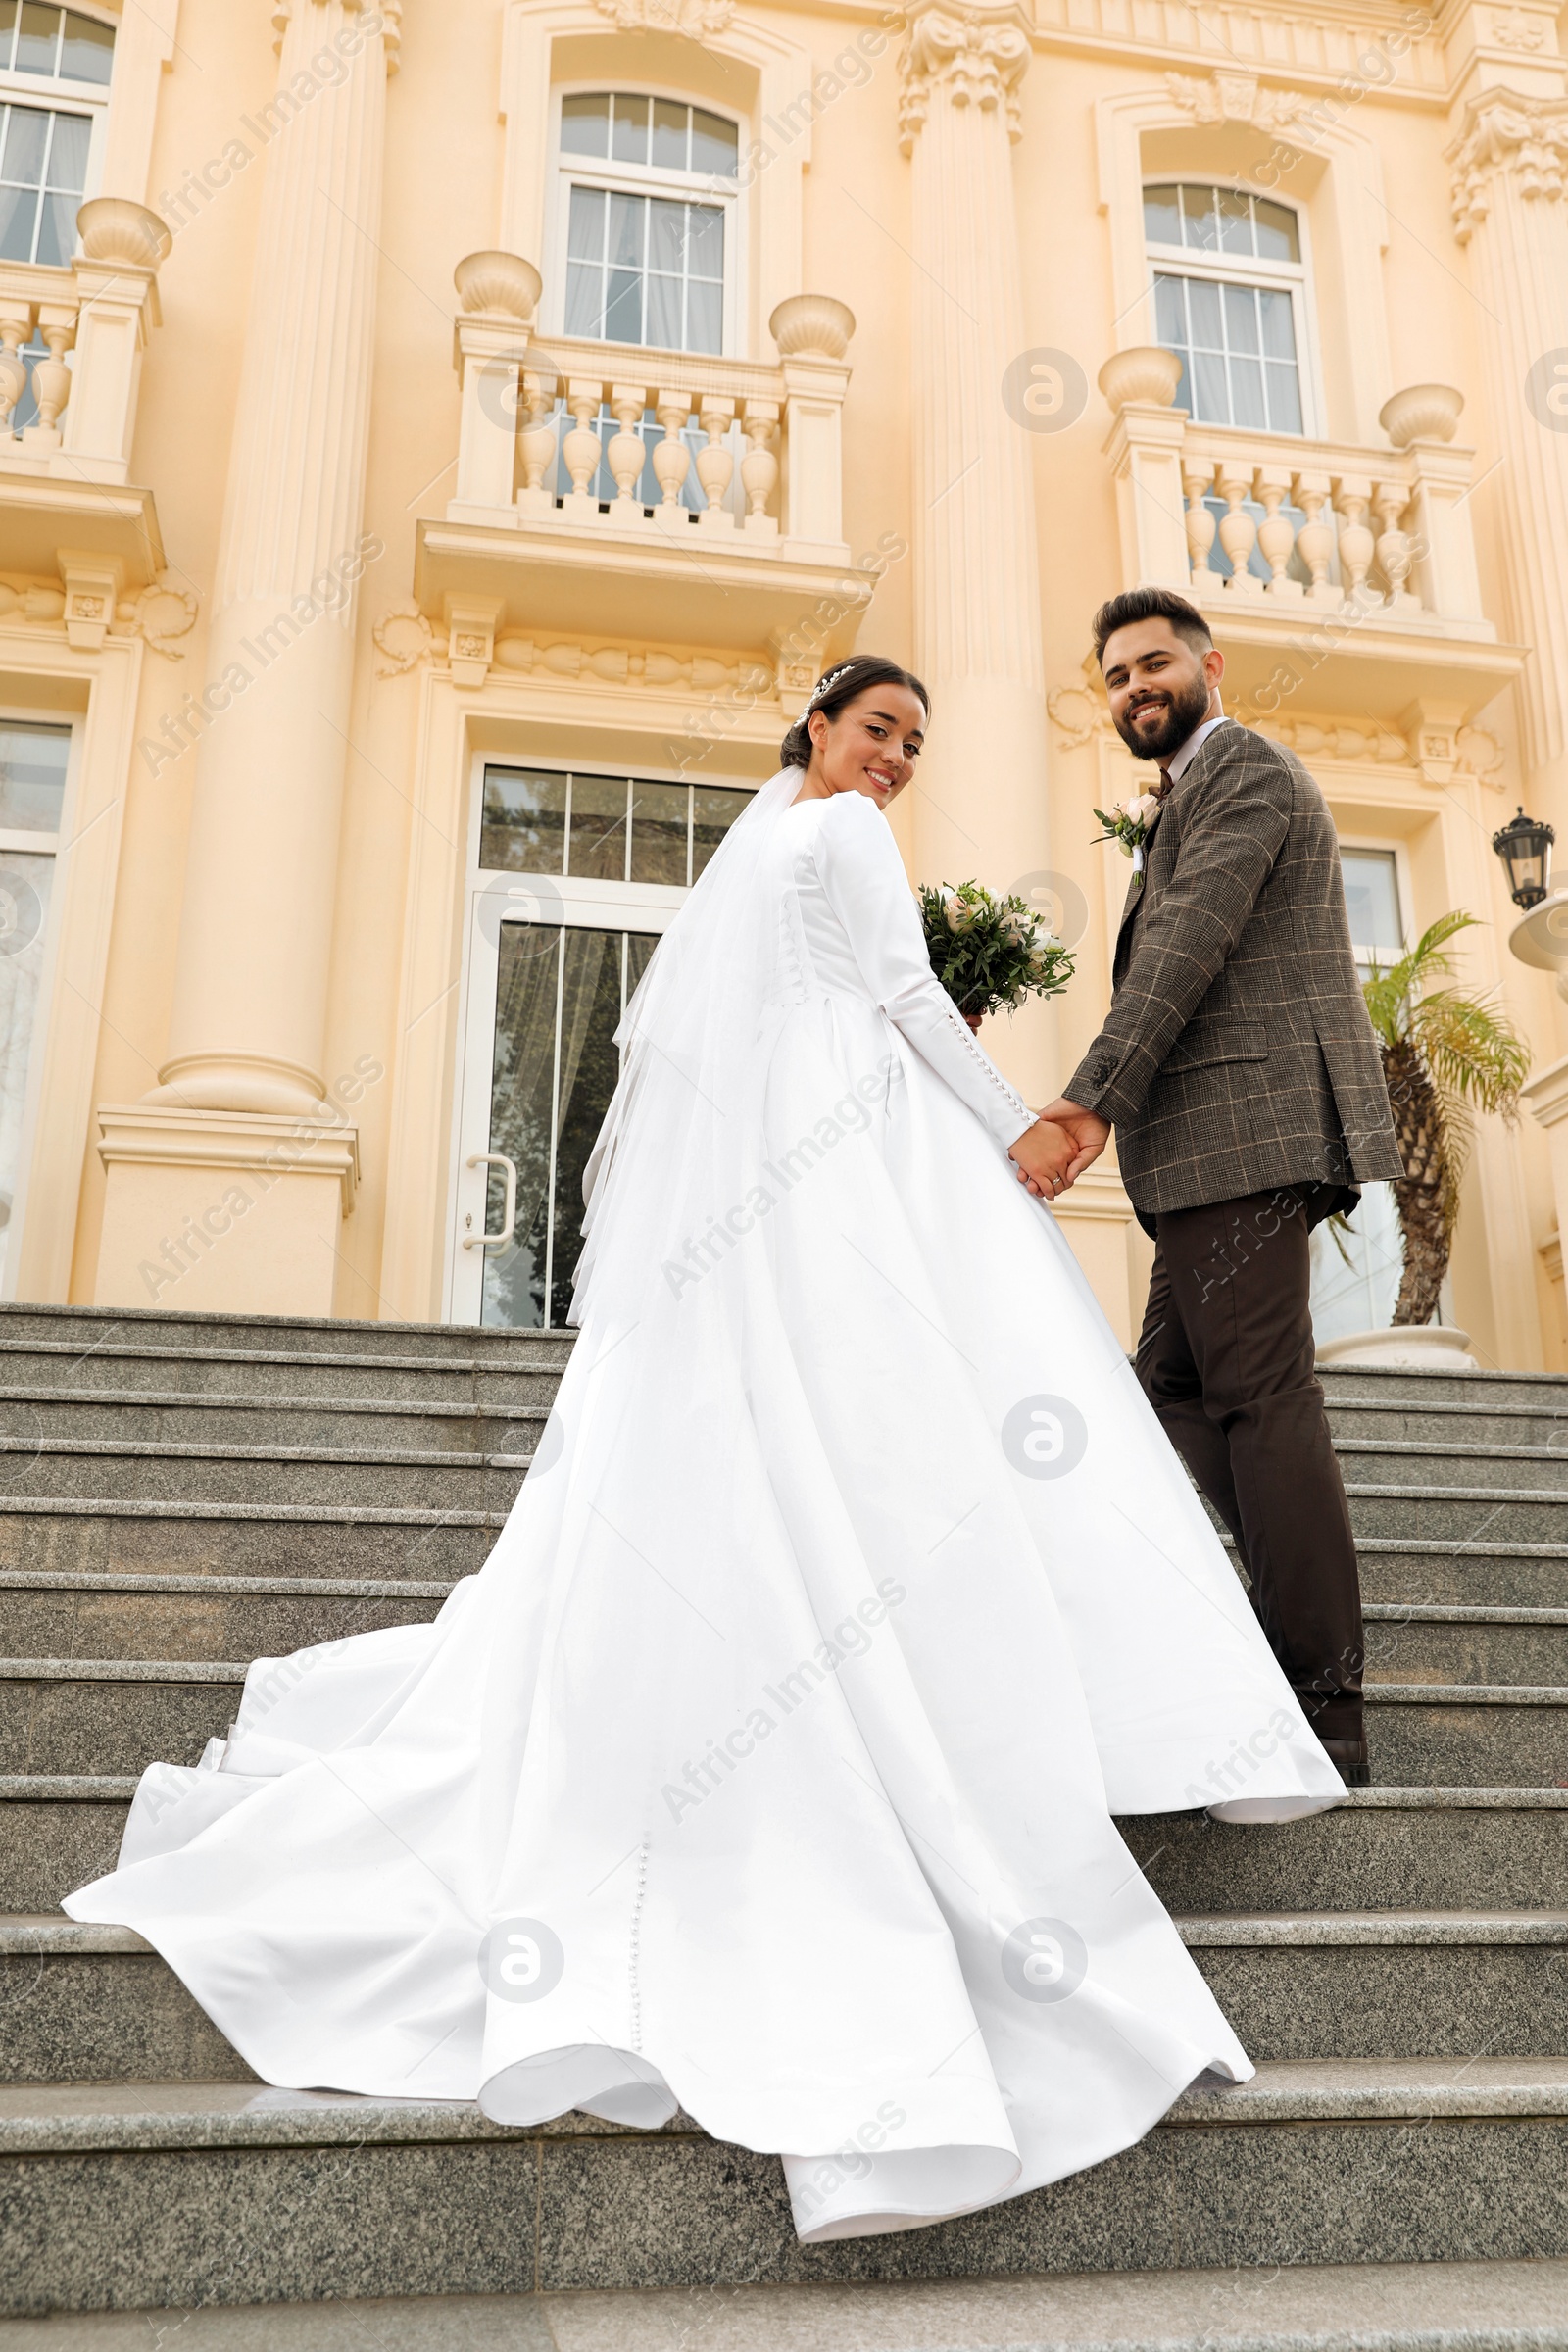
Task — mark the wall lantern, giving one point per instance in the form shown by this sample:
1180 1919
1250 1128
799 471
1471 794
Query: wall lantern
1525 848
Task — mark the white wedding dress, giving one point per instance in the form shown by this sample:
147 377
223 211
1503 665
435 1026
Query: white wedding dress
766 1769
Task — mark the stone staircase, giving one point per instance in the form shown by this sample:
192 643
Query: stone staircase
180 1493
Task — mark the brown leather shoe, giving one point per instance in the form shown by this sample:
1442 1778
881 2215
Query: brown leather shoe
1349 1760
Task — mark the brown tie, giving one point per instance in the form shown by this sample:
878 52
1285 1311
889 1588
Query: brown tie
1163 786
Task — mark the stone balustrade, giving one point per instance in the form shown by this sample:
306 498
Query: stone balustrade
569 435
1274 522
75 414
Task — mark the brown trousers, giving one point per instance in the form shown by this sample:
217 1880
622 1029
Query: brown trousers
1226 1361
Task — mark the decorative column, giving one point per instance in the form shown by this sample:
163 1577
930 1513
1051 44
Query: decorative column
980 797
1511 167
242 1099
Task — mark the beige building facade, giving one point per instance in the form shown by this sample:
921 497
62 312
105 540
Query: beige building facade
440 448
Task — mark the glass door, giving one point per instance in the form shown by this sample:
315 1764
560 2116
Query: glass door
1356 1274
578 874
35 758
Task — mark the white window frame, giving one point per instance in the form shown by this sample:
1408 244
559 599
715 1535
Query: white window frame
642 179
62 97
40 845
586 902
1381 846
1295 279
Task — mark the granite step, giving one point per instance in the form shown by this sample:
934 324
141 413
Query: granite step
82 2004
1447 1643
62 1469
63 1615
77 1715
1484 1573
60 1614
529 1377
91 1331
1452 1462
237 2193
1483 1734
1413 1849
1430 1423
1424 1517
1478 1392
98 1537
363 1424
1308 2307
113 1715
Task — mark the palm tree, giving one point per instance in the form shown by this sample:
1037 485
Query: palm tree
1445 1056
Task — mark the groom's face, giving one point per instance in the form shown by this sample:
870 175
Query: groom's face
1160 688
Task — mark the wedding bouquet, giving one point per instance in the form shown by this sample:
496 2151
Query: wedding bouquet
989 951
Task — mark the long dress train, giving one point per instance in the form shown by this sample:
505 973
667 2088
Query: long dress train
766 1769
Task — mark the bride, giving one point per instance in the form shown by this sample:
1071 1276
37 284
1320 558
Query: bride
767 1770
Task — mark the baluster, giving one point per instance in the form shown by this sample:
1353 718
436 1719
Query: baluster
51 382
759 466
581 446
536 448
1276 533
1395 554
715 463
626 454
1353 495
671 457
1316 539
1198 472
1238 532
16 327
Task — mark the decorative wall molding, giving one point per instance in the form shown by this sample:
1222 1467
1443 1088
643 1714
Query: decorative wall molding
698 20
1329 45
976 55
1239 98
163 612
405 638
1507 133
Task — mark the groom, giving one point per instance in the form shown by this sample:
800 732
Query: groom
1240 1072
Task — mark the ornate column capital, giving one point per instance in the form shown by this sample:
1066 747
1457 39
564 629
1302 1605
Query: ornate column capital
976 55
1507 135
388 16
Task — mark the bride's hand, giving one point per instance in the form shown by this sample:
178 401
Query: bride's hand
1041 1155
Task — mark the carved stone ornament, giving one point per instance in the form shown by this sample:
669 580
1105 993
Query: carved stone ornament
1515 30
1238 98
403 637
1525 136
1079 713
163 612
693 17
977 56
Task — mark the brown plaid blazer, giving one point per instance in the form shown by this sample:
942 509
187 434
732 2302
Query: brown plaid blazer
1237 1053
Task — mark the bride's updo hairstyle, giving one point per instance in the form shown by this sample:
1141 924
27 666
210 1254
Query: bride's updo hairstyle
836 689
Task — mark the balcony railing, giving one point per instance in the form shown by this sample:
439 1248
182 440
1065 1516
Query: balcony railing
569 435
71 345
1268 524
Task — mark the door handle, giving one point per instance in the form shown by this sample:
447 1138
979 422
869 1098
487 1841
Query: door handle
508 1208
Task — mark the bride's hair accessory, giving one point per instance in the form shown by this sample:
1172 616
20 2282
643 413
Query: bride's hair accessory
824 684
839 687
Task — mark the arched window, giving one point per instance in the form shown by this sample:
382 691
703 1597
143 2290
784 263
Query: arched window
1230 287
55 65
646 231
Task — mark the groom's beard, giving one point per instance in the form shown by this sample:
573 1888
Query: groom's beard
1187 709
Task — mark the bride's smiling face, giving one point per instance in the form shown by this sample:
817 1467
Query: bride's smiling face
869 747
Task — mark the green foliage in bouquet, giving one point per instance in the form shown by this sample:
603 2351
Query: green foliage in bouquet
989 952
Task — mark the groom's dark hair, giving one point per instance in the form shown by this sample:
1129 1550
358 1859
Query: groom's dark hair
1152 604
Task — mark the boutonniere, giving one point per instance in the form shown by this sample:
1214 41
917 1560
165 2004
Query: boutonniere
1127 823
